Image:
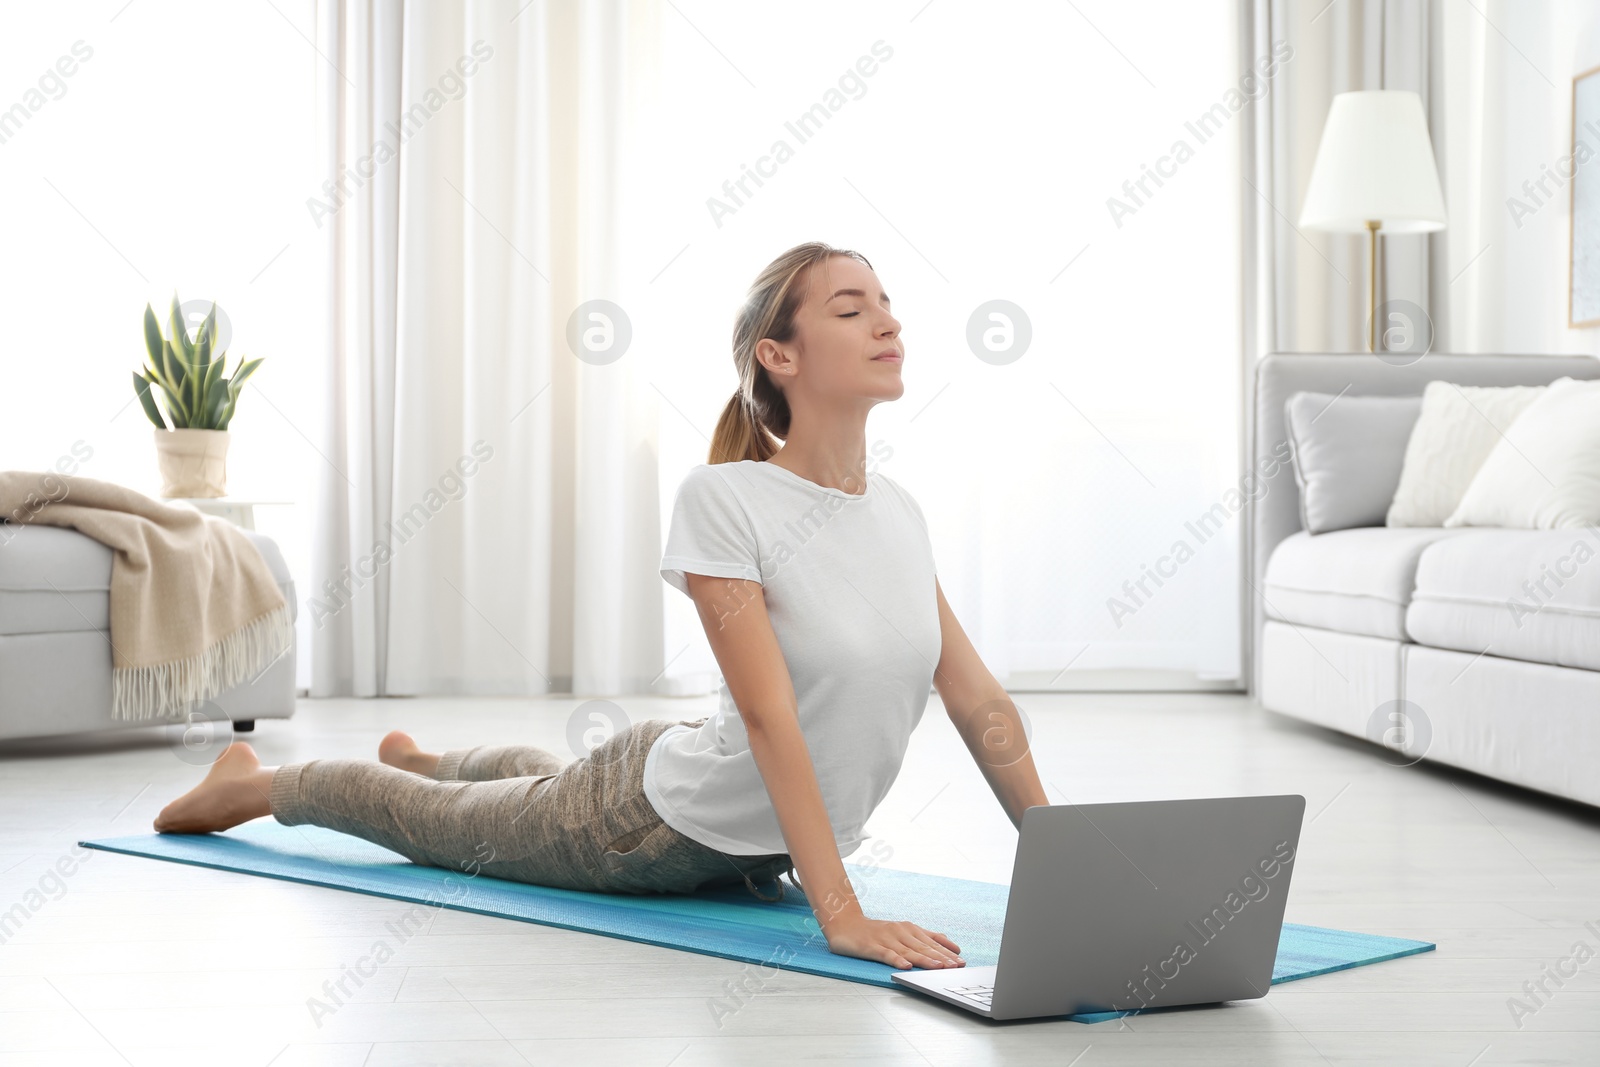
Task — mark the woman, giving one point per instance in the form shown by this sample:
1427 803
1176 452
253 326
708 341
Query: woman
814 579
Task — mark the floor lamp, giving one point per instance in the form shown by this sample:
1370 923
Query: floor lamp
1374 171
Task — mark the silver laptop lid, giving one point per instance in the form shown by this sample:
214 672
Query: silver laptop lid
1146 904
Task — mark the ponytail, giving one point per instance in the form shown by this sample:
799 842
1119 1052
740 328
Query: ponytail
740 434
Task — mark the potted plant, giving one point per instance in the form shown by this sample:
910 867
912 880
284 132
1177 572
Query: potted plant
199 398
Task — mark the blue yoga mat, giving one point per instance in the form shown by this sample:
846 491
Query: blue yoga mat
727 922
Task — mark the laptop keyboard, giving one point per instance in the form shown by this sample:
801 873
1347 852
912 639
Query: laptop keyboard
983 994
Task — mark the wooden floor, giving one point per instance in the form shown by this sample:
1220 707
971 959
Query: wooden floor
135 961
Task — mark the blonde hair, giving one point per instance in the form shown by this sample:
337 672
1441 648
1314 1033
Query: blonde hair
757 416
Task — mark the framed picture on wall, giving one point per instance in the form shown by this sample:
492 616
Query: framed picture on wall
1583 253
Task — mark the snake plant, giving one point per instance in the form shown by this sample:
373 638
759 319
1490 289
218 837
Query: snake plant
188 375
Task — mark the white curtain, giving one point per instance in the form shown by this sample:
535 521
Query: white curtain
487 512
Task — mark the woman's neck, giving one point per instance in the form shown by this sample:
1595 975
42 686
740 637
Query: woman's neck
827 444
834 468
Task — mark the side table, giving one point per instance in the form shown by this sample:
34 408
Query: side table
241 511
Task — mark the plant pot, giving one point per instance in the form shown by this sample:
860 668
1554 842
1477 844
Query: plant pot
194 463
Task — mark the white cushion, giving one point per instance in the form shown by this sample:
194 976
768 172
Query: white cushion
1458 427
1354 581
1518 594
1545 473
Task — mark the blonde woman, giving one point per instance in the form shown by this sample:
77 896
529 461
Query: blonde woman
814 578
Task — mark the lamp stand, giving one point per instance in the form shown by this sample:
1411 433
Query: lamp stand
1372 284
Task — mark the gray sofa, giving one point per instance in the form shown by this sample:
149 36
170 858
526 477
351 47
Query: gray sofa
1354 626
55 642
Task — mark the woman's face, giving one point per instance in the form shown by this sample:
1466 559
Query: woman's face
842 329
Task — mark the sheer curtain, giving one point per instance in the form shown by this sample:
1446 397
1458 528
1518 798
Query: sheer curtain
1082 496
487 504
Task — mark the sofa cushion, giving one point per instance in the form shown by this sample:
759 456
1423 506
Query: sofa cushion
56 580
1458 428
1347 455
1544 474
1518 594
52 580
1354 581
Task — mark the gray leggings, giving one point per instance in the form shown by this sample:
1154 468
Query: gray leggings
524 814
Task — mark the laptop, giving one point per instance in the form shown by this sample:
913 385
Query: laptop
1134 905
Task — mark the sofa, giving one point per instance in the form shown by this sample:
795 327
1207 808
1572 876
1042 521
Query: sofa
1407 636
55 641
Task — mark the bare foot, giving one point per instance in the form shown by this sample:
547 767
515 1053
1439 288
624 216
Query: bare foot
397 749
236 789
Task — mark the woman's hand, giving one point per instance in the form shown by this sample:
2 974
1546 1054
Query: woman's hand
899 944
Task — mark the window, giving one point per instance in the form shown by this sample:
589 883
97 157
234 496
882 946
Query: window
1079 495
146 149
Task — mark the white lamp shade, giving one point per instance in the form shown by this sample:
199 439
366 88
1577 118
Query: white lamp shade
1375 162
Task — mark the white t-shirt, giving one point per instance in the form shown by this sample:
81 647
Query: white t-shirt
848 581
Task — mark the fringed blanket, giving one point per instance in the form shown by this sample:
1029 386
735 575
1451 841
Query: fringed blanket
195 610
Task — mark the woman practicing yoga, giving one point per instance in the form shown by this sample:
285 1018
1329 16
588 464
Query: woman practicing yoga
814 579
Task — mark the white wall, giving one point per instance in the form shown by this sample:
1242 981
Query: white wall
1508 70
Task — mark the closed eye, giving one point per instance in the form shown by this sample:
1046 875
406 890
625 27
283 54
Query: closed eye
848 315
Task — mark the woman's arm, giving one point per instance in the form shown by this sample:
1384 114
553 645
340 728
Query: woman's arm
734 613
986 718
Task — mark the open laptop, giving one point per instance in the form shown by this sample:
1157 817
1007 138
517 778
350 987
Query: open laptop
1142 904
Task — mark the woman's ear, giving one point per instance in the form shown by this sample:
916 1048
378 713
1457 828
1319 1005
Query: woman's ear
772 356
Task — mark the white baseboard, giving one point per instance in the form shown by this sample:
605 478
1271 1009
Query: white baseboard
1118 680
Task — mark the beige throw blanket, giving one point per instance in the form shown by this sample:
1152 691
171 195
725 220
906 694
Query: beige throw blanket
195 609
